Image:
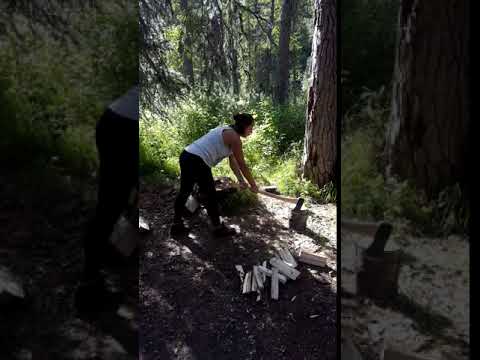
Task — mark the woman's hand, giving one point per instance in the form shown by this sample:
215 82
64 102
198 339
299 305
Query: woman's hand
243 184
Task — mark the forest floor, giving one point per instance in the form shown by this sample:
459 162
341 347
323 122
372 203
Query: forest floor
429 317
43 214
190 291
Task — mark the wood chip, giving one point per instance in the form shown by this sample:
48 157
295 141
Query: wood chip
312 259
284 268
274 285
314 316
293 298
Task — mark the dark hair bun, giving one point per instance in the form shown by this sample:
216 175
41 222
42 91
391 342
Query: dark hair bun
242 121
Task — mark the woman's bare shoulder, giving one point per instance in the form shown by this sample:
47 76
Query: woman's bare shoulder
230 136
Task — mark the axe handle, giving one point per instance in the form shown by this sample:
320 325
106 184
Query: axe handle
278 197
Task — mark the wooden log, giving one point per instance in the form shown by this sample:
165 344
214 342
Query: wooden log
264 276
290 260
241 274
274 284
312 259
268 272
254 283
298 220
247 283
284 268
258 277
378 277
394 354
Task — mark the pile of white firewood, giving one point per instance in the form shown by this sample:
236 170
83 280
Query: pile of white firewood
282 268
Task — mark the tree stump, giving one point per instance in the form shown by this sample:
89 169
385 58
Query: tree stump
298 220
378 275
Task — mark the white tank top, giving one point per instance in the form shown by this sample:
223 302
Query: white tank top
210 147
127 105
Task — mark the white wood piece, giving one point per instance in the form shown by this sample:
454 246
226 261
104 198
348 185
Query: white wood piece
142 224
247 283
274 285
258 277
290 259
241 274
264 276
312 259
254 283
268 272
284 268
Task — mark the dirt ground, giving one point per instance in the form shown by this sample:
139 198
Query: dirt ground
192 306
42 218
430 316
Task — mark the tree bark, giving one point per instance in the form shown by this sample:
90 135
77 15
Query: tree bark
427 136
288 8
320 150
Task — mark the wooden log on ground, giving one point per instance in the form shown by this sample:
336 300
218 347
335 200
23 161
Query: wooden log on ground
274 284
290 260
284 268
268 272
312 259
378 277
395 354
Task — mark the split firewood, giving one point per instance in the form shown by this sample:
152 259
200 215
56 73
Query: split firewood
258 277
264 276
143 225
274 284
247 283
312 259
241 274
268 272
254 282
284 268
289 259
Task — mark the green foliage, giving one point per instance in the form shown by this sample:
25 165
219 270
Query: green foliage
368 31
368 193
56 89
273 152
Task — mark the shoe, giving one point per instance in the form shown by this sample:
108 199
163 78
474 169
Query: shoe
178 229
224 231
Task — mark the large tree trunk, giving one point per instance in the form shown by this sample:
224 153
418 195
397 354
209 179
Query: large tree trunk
426 140
320 150
288 9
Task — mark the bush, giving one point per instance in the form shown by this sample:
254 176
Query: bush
273 151
56 90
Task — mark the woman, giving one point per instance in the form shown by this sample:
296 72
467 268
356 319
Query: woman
196 162
117 145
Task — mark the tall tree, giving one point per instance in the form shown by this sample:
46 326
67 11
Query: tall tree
283 74
320 151
426 140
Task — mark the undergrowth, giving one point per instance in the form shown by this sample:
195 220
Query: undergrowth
273 152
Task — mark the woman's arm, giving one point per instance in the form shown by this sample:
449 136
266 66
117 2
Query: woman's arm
236 169
236 145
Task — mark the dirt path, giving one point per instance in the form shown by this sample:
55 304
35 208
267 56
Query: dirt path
192 307
431 314
42 218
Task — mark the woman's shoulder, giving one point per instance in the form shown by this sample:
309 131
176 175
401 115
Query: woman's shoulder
229 135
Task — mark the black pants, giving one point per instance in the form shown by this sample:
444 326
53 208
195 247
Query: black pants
193 170
117 145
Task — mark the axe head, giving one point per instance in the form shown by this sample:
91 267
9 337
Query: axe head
299 204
